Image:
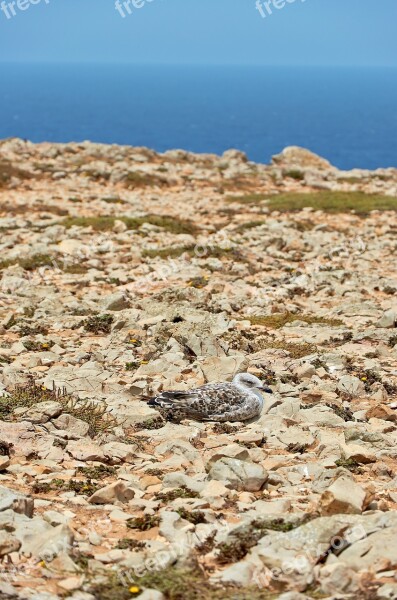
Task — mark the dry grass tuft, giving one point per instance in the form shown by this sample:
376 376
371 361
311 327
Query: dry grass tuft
29 394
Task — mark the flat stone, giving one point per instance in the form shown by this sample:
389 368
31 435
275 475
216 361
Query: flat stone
343 496
351 385
231 451
85 450
15 501
75 427
8 543
239 474
111 493
388 319
43 412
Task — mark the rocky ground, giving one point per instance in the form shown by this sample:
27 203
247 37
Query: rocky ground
125 272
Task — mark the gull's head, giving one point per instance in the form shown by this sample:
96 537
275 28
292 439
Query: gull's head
250 382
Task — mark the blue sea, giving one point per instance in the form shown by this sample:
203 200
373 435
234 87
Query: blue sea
346 115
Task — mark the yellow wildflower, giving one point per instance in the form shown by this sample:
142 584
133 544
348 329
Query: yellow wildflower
134 589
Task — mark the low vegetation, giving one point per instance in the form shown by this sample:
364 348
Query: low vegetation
190 251
181 492
242 541
279 320
29 394
325 200
175 583
350 464
81 488
249 225
294 174
144 523
139 179
106 223
294 350
247 198
99 324
8 172
195 517
97 473
30 263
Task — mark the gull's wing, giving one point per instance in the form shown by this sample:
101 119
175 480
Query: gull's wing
210 402
177 404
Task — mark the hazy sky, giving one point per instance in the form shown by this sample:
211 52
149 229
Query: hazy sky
310 32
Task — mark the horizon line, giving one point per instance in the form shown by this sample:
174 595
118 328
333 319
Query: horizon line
194 64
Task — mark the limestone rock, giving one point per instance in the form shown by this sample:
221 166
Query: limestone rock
343 496
85 450
112 492
388 319
8 543
116 302
43 412
239 474
17 502
351 385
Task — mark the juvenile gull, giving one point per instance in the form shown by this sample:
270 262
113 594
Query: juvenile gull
240 400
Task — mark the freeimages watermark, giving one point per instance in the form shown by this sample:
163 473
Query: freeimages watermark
10 8
126 7
266 7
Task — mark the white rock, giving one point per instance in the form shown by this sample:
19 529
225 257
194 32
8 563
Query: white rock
150 594
111 493
388 319
343 496
8 543
351 385
239 474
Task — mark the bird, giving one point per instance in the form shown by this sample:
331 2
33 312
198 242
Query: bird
240 400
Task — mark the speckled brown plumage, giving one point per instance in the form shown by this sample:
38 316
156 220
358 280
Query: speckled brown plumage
213 402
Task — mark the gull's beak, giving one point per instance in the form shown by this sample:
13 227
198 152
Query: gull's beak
265 389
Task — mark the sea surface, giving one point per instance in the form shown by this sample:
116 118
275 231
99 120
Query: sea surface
346 115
